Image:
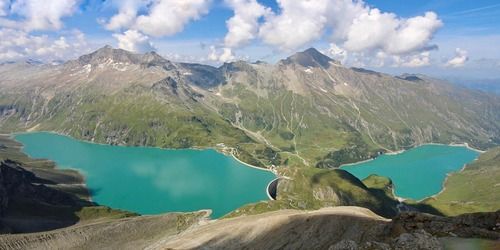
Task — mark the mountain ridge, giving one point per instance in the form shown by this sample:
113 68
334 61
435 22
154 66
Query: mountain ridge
307 109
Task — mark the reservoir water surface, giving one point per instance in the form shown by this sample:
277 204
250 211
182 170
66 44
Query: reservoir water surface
152 180
419 172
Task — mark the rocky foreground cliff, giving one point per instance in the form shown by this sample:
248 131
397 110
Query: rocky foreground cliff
327 228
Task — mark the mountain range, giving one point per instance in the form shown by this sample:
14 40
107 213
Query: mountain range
307 109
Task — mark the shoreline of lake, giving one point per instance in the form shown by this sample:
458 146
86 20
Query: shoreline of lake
444 182
218 149
465 144
215 148
403 182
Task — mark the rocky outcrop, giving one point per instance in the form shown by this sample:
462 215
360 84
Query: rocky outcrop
4 197
28 205
18 183
328 228
407 241
482 225
417 240
130 233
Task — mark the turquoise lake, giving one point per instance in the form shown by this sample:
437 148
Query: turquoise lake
152 180
419 172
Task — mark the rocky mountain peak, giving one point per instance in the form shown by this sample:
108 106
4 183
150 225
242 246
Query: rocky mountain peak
152 55
411 77
109 53
153 58
236 66
309 58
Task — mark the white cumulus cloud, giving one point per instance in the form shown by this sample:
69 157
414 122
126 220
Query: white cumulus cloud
226 55
162 17
42 14
4 7
21 18
413 61
373 30
461 56
369 30
244 25
337 53
355 28
127 14
19 44
133 40
379 58
298 23
168 17
413 34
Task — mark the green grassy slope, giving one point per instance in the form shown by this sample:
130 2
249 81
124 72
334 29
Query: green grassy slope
324 127
313 188
136 116
292 125
475 189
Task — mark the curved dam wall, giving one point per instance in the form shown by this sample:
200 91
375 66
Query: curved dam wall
272 189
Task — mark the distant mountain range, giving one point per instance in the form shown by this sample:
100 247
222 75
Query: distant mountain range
487 85
307 109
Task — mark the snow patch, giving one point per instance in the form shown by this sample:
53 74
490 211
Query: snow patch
88 68
108 62
120 66
308 70
85 69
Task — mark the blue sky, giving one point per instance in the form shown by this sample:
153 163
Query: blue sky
442 38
